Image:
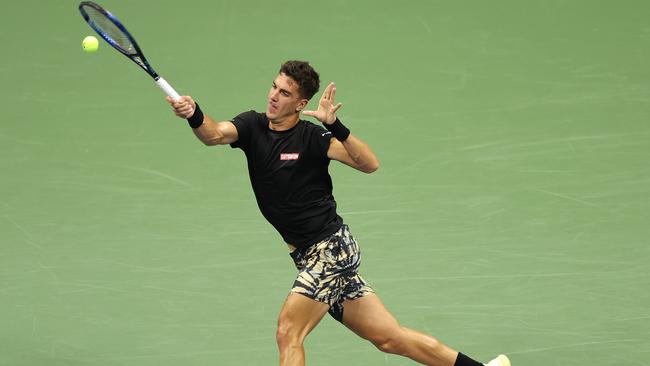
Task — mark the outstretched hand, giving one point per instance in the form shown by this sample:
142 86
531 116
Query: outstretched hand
326 112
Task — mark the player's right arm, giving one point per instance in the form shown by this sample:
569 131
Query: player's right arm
210 132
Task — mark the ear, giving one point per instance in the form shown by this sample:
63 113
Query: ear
302 105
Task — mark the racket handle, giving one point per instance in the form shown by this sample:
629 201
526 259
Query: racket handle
164 85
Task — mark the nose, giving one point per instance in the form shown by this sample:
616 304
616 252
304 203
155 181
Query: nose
273 94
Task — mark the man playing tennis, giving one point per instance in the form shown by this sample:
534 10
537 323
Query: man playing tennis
288 161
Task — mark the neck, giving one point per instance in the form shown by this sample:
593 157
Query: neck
284 123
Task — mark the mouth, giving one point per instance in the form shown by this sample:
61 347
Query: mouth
272 107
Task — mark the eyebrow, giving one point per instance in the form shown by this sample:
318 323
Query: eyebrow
282 90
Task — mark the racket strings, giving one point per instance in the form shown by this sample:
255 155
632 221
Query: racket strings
110 31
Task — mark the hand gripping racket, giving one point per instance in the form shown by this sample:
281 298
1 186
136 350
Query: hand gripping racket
114 32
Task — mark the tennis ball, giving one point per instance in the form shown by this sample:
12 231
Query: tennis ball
90 44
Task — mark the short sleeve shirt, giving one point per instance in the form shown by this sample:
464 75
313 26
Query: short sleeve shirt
289 174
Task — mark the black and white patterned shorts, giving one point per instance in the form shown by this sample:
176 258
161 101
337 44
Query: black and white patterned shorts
328 271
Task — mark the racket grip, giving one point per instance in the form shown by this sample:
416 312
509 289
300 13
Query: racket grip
164 85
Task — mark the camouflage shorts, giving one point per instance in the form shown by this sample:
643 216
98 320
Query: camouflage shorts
328 271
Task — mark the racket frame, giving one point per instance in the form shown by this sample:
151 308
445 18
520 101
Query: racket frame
138 57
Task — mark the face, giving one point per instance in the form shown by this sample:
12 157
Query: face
284 99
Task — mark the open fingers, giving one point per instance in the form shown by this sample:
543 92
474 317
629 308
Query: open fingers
327 94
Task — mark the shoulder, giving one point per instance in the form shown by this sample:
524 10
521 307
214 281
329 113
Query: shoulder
250 121
318 138
251 115
248 124
312 128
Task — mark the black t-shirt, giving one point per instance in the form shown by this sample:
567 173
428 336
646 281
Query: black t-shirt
288 172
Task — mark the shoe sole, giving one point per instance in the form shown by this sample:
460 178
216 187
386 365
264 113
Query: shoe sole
503 360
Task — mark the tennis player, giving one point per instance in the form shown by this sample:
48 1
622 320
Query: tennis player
288 161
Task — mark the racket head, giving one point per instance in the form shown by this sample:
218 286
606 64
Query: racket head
114 33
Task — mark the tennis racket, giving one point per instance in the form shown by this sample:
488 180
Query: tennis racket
115 33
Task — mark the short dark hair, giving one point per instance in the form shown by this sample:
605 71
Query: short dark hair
303 74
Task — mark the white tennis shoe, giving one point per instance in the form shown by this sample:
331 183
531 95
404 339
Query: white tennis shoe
501 360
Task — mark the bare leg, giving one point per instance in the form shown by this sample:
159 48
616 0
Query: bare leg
299 315
368 318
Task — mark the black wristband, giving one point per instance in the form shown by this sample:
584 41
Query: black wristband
197 118
338 130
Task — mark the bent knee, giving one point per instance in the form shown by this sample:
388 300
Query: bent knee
393 343
389 345
286 335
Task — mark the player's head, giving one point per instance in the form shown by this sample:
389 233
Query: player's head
303 74
296 83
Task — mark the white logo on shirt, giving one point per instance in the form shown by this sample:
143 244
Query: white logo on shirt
326 133
289 156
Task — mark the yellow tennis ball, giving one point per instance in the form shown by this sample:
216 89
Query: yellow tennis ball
90 44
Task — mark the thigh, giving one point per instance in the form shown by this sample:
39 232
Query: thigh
300 314
369 318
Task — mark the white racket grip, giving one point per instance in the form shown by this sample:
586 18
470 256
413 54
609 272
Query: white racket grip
164 85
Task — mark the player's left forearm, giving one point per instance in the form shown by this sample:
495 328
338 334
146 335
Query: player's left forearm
361 154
